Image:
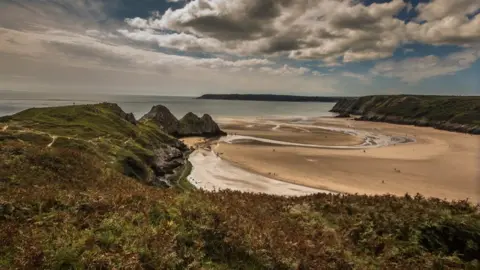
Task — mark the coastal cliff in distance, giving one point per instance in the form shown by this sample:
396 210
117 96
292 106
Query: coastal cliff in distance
452 113
283 98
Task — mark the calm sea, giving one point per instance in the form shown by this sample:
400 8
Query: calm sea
13 102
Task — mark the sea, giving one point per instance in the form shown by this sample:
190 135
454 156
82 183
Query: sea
12 102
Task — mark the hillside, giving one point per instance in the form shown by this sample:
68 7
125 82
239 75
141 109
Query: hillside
461 114
75 194
255 97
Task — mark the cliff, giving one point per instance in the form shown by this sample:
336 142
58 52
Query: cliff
189 125
259 97
460 114
137 150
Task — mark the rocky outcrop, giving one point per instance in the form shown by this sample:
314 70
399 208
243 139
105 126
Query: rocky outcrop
113 107
131 118
189 125
192 125
167 163
162 116
459 114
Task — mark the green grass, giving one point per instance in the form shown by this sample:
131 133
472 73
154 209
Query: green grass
453 109
69 207
62 209
183 182
100 130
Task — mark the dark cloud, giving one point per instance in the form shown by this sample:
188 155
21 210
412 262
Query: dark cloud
82 52
353 21
266 9
224 28
282 45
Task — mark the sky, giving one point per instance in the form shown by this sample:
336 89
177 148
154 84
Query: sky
189 48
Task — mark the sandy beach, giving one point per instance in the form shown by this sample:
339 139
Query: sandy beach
434 163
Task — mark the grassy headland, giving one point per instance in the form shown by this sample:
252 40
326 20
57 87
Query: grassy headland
69 205
455 113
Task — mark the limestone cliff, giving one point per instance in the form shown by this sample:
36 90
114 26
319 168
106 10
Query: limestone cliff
162 116
189 125
460 114
192 125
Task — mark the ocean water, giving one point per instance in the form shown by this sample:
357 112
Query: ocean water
13 102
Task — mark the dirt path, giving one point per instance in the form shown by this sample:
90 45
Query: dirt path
54 138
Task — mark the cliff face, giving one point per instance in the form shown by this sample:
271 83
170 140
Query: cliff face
460 114
192 125
189 125
162 116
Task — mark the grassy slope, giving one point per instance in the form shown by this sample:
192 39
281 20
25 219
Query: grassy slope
461 110
62 208
96 129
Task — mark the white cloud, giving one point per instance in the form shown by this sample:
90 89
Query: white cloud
323 29
361 77
439 9
329 30
416 69
240 43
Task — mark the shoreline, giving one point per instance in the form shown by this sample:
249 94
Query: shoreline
423 165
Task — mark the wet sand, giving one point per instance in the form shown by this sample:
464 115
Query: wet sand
289 133
438 164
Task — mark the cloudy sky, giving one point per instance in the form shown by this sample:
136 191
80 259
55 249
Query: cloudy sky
305 47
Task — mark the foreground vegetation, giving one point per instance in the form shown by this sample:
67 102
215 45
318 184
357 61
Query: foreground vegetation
64 207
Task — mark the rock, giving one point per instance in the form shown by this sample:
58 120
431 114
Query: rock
210 127
117 110
166 160
343 115
130 118
189 125
192 125
162 116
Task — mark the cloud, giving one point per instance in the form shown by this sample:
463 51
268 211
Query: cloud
446 22
223 45
412 70
439 9
302 29
361 77
329 30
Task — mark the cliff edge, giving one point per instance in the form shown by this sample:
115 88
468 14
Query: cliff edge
452 113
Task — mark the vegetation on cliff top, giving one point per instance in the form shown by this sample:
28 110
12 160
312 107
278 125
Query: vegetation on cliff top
101 130
63 207
435 109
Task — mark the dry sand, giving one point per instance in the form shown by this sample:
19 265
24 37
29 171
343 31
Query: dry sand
193 141
439 164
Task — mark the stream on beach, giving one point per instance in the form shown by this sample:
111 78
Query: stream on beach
210 172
